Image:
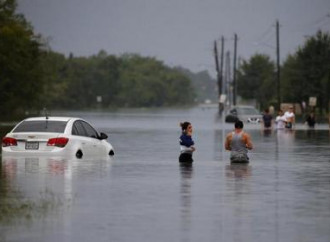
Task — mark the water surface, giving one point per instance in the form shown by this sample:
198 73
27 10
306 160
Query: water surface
143 194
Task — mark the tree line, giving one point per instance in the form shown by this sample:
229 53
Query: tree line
304 74
33 77
109 81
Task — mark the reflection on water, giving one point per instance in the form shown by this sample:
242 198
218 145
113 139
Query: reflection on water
15 206
238 171
186 171
144 194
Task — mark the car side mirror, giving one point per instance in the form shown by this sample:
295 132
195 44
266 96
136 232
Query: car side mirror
103 136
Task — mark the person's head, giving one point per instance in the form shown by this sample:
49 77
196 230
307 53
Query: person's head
267 110
186 126
280 112
291 109
239 124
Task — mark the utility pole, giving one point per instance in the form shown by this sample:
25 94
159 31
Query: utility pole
278 74
221 65
222 87
219 76
227 77
217 66
234 71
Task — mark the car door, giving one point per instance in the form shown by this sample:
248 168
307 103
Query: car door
97 147
81 138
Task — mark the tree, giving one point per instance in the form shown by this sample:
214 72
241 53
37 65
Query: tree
20 76
55 84
205 86
307 72
255 80
147 82
106 78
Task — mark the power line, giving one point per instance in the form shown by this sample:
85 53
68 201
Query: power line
263 35
311 24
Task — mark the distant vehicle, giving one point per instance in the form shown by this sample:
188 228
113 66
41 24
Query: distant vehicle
58 136
247 114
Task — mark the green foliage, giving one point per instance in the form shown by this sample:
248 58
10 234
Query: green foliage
126 81
33 78
255 80
307 72
85 79
147 82
205 87
20 76
53 69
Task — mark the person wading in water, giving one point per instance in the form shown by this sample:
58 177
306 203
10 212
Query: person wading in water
238 142
186 143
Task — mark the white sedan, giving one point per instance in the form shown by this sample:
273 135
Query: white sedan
58 136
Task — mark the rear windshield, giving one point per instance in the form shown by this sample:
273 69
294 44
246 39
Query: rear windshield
41 126
249 111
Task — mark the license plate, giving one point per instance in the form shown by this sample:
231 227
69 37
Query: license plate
32 145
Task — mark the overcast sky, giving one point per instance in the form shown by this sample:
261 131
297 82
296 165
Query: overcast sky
178 32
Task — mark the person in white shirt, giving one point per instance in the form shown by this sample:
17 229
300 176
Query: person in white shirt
280 120
290 118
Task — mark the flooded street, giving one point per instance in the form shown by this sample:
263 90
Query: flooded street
143 194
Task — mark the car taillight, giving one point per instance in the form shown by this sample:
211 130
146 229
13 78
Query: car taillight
8 141
58 142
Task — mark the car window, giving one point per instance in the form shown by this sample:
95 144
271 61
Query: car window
41 126
74 130
78 129
249 111
91 132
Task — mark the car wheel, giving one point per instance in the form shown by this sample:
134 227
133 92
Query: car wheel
111 152
79 154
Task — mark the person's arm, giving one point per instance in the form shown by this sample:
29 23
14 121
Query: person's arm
284 119
248 141
228 142
186 141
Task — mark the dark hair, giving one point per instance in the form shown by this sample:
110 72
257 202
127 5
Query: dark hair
184 125
239 124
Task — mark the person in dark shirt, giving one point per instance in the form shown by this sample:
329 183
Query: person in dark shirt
310 120
186 143
267 119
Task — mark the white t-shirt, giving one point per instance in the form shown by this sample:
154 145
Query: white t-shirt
280 122
289 116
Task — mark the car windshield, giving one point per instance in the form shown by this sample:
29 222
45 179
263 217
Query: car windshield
248 111
41 126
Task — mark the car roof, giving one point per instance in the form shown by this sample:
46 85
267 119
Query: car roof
244 106
65 119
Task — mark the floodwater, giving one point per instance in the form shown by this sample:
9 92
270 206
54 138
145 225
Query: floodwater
143 194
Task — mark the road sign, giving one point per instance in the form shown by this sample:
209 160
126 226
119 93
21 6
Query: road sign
312 101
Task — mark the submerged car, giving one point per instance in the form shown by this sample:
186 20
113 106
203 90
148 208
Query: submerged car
247 114
58 136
